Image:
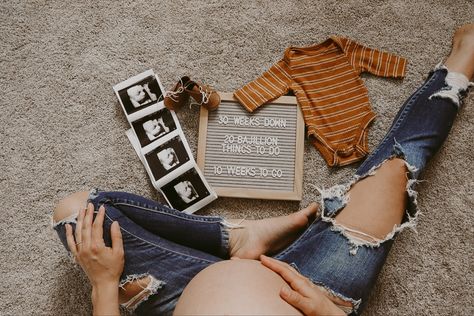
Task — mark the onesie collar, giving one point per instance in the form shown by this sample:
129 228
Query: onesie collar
311 49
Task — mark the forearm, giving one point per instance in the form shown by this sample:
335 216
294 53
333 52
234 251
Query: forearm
105 299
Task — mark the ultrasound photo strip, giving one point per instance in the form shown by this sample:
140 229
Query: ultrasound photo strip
159 142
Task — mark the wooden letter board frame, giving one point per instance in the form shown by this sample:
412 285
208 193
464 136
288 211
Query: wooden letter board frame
240 190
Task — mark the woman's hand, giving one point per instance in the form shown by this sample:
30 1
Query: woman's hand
103 265
301 292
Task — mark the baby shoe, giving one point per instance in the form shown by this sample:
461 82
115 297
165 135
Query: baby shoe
204 95
178 97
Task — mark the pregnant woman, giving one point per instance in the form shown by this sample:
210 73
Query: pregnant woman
157 261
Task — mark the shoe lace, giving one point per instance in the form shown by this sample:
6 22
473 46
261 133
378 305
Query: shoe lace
205 96
173 95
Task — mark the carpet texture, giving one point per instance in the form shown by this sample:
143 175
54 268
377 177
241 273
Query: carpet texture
62 129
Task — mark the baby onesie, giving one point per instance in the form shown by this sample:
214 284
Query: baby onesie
325 79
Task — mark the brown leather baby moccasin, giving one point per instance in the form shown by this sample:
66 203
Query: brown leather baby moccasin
177 97
204 95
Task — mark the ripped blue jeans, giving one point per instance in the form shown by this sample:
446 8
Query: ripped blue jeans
172 247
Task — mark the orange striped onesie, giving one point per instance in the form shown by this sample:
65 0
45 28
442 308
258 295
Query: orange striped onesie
334 100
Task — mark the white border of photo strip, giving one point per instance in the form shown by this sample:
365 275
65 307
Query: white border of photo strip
142 151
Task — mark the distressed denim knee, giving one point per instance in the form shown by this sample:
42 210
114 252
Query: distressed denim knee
456 88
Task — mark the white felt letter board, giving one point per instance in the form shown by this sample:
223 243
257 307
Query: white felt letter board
253 155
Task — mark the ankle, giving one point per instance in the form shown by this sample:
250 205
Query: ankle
461 58
464 34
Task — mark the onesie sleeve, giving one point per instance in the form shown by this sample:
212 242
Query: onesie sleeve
270 85
375 61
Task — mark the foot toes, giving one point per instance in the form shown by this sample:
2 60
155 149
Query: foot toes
313 206
311 209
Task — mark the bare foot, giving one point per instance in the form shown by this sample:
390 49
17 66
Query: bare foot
269 235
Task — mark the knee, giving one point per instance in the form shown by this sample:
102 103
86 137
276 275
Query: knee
70 205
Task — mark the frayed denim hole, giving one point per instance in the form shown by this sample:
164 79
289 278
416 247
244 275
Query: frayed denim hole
94 193
340 192
151 289
333 205
455 88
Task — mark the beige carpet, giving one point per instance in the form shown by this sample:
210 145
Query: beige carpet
61 129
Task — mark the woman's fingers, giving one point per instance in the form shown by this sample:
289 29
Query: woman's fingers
71 243
116 236
97 227
280 266
80 220
311 210
290 275
87 226
297 300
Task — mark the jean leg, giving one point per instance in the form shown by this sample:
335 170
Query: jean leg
206 233
169 265
417 133
331 257
420 127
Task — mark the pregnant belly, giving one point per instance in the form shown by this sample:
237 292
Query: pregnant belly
234 287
